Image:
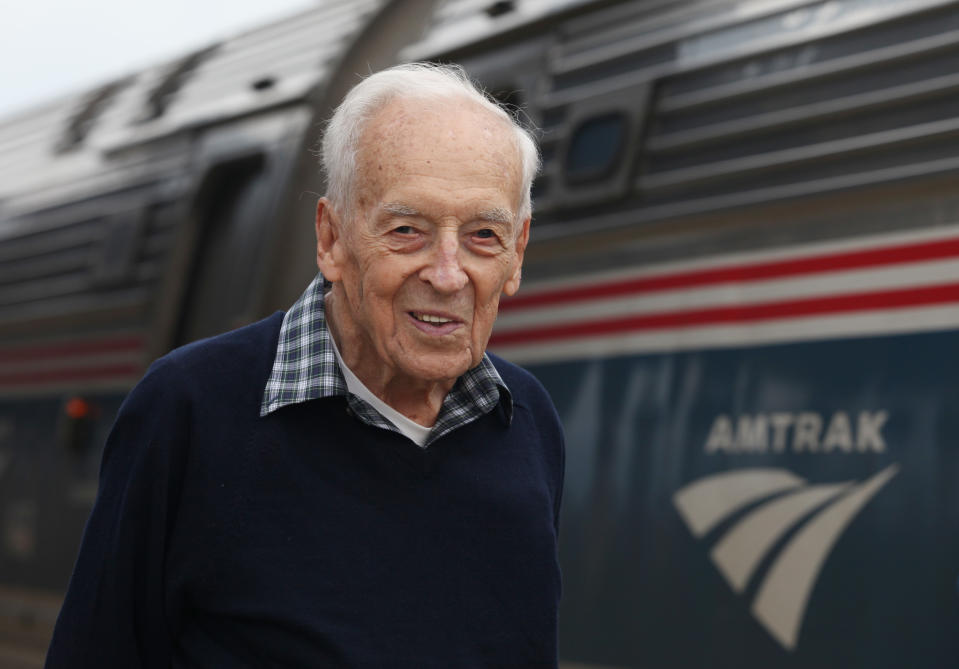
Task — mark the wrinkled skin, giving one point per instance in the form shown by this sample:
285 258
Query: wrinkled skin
433 242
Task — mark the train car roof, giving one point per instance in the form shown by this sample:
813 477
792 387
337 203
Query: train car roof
64 141
460 23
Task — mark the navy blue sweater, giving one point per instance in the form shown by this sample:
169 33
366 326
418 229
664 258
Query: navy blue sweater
306 538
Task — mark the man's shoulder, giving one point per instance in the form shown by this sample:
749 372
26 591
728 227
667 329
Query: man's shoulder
525 388
511 372
239 347
534 409
239 356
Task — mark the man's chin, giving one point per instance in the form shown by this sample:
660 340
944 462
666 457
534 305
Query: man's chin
438 369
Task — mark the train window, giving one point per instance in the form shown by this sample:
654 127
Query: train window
595 148
229 207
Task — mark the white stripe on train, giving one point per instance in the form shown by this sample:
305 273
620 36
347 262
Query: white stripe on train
872 323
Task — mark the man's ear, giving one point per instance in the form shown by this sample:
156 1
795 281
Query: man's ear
328 237
512 283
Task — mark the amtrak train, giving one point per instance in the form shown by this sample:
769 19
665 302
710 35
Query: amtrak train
742 292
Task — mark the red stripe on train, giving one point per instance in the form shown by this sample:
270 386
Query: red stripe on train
816 306
72 348
846 260
121 372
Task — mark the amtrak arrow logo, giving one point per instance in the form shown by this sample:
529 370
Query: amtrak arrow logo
784 592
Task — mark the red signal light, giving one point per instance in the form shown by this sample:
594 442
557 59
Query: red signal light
78 408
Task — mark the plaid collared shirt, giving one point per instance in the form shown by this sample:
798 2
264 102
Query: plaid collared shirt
305 368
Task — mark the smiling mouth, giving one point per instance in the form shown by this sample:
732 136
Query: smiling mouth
431 319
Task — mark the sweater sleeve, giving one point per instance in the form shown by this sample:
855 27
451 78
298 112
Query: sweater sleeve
560 476
554 442
115 611
557 441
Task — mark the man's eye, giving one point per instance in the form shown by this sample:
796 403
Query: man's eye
404 229
485 233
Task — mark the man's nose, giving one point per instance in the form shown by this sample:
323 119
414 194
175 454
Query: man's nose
444 269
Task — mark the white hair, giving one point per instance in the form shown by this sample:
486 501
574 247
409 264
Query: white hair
341 141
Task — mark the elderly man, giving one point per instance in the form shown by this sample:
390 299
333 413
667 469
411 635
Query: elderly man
354 483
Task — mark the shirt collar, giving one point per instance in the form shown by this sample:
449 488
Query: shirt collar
305 368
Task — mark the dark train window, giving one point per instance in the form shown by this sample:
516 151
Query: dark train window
595 148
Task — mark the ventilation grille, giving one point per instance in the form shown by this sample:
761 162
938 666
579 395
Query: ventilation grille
106 260
810 98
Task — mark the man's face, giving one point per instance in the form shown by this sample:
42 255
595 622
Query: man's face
433 241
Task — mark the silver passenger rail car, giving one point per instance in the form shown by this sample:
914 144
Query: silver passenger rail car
742 294
151 211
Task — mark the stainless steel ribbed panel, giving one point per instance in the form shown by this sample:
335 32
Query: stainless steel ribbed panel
257 69
742 103
95 187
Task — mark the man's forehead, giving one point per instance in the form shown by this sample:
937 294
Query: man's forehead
403 123
425 110
414 137
489 214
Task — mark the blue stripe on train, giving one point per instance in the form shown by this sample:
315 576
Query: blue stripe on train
641 590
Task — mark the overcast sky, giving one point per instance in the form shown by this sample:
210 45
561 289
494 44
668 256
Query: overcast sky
49 48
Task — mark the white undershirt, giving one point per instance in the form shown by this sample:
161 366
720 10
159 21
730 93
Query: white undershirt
416 432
